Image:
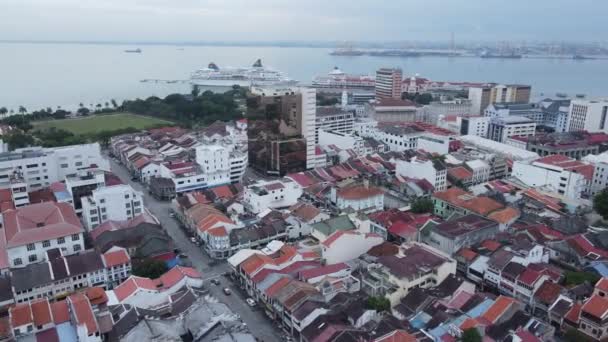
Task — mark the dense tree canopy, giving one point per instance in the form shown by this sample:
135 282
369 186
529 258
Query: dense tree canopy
150 268
600 203
379 303
471 335
422 205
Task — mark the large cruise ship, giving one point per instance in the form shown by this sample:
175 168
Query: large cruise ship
337 79
257 74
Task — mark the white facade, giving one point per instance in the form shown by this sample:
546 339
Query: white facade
39 167
566 183
331 120
370 199
342 141
480 99
473 125
587 115
309 124
271 194
434 143
501 128
117 202
399 140
149 171
480 170
343 246
214 161
366 127
600 172
186 176
21 256
417 168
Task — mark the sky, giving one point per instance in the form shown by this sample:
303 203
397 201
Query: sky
299 20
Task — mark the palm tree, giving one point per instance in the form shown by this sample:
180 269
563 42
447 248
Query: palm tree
114 104
3 110
22 110
80 104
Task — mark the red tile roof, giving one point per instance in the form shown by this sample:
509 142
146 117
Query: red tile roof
38 222
468 254
321 271
83 312
596 306
21 314
278 285
497 309
61 312
478 204
602 284
491 245
337 235
4 263
469 323
218 231
548 292
167 280
96 295
359 192
460 173
569 164
504 216
529 277
574 313
223 192
115 258
396 336
41 310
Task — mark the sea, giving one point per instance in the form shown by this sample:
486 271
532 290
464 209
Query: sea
41 75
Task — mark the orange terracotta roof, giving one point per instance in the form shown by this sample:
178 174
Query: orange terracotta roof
497 309
574 313
218 231
41 310
460 173
115 258
21 314
359 192
96 295
279 284
254 262
602 284
83 313
468 254
481 205
469 323
491 245
504 216
61 312
337 235
452 195
396 336
222 191
596 306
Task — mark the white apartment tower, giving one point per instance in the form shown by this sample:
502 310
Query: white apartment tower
588 115
117 203
388 83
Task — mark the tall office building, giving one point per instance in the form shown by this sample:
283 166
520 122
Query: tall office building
588 115
281 129
483 96
388 83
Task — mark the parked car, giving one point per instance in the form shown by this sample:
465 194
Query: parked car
227 291
215 281
250 301
193 240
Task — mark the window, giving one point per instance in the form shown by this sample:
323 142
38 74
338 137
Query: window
78 164
33 258
103 210
104 217
94 219
64 166
31 246
128 212
135 204
46 243
77 248
75 237
102 201
60 240
127 196
128 205
93 212
17 262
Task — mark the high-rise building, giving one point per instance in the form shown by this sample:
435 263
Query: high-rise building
588 115
483 96
281 129
388 83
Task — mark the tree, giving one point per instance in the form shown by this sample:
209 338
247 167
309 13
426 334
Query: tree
114 104
18 139
471 335
378 303
80 105
600 203
573 335
422 205
22 110
83 111
107 104
3 110
150 268
574 278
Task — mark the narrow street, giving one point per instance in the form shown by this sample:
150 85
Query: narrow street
259 325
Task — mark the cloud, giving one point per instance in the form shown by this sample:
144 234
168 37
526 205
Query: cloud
242 20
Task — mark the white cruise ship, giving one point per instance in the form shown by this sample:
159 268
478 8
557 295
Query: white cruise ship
257 74
337 79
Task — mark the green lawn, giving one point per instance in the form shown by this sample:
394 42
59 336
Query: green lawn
98 123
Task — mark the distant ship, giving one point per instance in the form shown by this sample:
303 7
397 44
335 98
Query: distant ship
257 74
347 52
511 55
337 79
133 51
581 57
